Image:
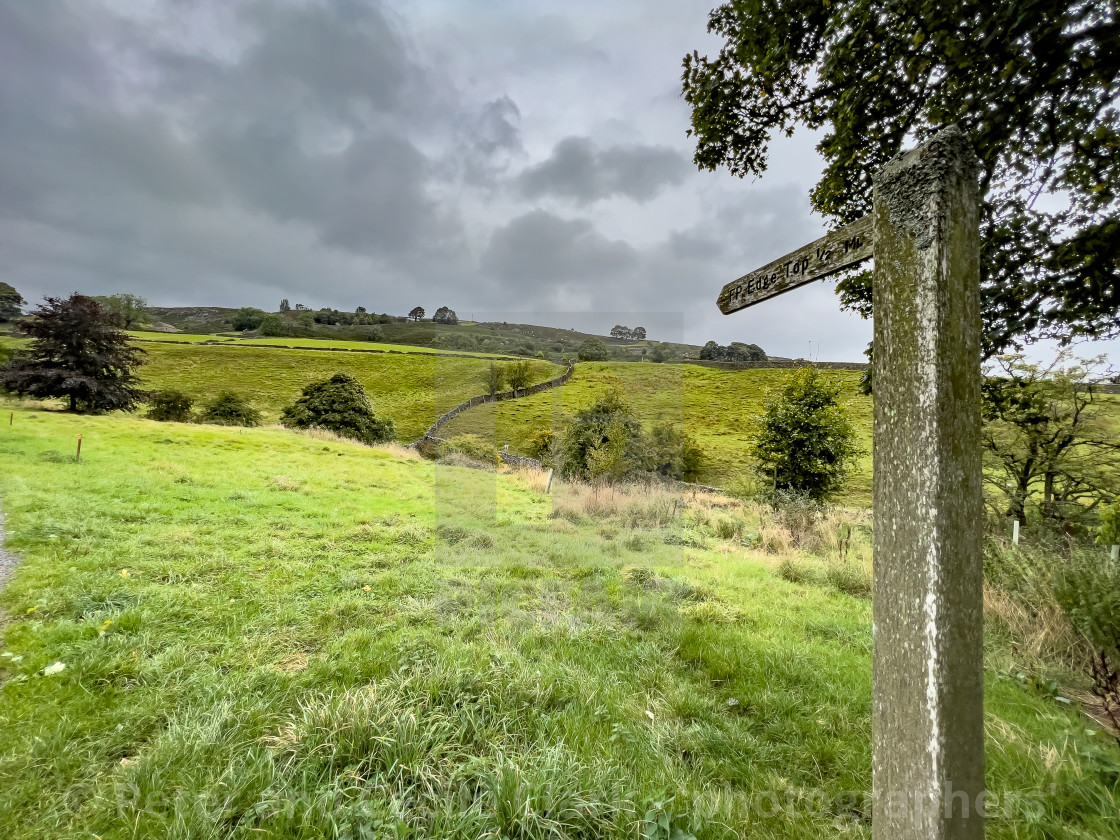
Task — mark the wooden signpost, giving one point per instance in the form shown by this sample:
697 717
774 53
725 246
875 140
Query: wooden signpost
927 717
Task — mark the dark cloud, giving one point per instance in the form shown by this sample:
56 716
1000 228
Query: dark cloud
577 170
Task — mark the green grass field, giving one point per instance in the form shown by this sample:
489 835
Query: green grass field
230 633
314 343
720 408
412 389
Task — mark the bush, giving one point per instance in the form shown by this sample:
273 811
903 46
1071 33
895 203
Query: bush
673 453
230 409
373 333
603 441
807 440
248 318
339 405
170 407
471 447
544 446
593 350
273 326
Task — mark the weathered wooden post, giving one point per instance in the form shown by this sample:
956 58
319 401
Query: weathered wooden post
928 707
928 717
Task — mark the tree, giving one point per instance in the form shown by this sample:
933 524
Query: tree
229 408
619 331
131 309
273 325
285 306
593 350
10 303
1033 84
77 352
248 318
417 313
1047 438
361 310
519 375
300 307
492 378
443 315
602 442
339 405
736 351
638 333
807 441
671 452
170 407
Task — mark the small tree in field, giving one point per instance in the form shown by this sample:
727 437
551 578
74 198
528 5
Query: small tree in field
131 309
10 303
339 405
417 313
807 440
519 374
78 352
493 377
444 315
603 442
285 306
248 318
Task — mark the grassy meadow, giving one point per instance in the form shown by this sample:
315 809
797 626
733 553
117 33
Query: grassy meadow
412 389
315 343
252 633
721 408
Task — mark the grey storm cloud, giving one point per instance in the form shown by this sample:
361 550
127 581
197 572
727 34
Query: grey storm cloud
579 171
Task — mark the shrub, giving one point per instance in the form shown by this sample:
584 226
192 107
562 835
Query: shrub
472 447
248 318
273 326
544 446
593 350
603 441
340 405
807 440
374 333
673 453
170 407
230 409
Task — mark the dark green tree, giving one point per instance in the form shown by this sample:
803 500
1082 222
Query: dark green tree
285 306
339 405
673 453
593 350
229 408
77 352
10 303
807 441
493 377
519 375
416 313
445 315
1032 82
603 442
248 318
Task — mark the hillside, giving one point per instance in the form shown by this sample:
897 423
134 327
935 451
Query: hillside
720 408
252 633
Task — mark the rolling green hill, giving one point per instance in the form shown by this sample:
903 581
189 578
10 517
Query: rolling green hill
254 633
720 408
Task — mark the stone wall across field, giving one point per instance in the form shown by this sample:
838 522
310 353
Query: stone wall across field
487 398
778 363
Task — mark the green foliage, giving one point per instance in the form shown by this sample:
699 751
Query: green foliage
285 306
229 408
807 442
1048 439
77 352
671 452
248 318
493 378
273 326
603 442
131 309
445 315
170 407
339 405
736 351
374 333
1109 532
519 375
1032 84
472 447
10 303
544 446
416 313
593 350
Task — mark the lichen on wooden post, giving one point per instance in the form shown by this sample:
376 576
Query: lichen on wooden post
927 721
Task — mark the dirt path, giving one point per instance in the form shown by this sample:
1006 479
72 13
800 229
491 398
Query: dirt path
8 560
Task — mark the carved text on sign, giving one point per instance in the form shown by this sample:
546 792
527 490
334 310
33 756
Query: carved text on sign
834 252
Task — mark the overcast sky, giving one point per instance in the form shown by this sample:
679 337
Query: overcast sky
493 156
